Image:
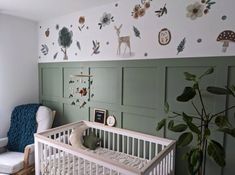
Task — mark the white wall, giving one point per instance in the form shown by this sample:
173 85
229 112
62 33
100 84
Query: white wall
18 66
207 28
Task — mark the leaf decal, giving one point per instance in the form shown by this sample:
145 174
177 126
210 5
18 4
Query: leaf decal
185 139
78 45
216 151
181 46
136 31
55 56
44 49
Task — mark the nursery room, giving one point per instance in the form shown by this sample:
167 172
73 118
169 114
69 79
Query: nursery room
117 87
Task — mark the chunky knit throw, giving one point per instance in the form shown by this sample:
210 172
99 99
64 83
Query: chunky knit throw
23 126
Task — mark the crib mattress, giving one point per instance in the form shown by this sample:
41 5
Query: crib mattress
66 165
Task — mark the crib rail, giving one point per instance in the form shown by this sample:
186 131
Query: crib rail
159 152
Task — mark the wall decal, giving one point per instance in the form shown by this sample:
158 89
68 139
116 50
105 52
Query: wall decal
78 45
162 11
55 56
208 4
226 37
65 40
139 10
87 27
76 54
44 49
181 46
107 43
195 10
199 40
198 9
53 43
145 54
40 27
136 32
224 17
106 19
57 27
116 5
96 46
122 39
47 32
164 36
81 22
71 25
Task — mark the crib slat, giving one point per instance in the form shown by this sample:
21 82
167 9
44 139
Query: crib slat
113 141
123 140
144 150
133 149
118 142
150 150
128 144
138 148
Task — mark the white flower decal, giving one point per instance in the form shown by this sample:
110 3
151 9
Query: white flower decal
106 19
195 10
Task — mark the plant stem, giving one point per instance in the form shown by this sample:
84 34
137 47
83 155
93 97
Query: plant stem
196 109
231 107
182 115
201 100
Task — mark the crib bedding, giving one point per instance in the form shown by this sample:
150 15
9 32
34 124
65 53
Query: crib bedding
69 165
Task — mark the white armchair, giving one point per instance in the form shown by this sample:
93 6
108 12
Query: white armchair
18 163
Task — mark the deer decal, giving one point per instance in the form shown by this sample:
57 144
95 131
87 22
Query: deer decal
122 39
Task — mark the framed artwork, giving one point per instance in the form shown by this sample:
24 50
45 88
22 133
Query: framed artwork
111 120
100 115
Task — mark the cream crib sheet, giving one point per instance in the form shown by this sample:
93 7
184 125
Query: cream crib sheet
84 167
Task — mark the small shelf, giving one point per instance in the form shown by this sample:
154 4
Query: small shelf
81 75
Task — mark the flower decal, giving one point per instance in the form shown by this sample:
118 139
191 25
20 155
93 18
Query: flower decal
81 22
106 19
140 9
195 10
198 9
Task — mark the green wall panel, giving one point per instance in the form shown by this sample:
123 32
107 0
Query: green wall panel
139 123
137 83
135 92
51 79
104 87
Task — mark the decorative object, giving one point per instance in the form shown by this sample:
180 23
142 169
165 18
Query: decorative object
164 36
199 8
199 40
140 9
106 19
65 40
122 39
136 32
44 49
226 37
96 46
224 17
55 56
91 141
162 11
78 45
181 46
81 21
57 27
47 32
83 92
198 128
111 120
100 115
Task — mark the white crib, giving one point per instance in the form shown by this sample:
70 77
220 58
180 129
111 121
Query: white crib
122 152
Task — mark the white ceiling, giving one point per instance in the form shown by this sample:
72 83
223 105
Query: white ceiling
39 10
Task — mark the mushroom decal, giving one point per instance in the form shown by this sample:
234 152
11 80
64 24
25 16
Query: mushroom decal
226 37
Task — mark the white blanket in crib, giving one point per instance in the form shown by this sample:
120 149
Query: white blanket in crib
68 165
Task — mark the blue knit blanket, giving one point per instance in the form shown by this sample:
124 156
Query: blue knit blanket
23 126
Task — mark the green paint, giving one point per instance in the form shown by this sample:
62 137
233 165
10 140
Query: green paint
136 91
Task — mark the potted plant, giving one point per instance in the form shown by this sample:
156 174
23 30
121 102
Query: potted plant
198 127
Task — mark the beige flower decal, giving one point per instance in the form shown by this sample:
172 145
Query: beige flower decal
195 10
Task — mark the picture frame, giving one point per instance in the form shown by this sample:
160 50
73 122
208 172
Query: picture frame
100 115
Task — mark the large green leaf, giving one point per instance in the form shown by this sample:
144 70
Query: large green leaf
187 118
185 139
189 76
228 131
208 71
191 125
221 121
170 124
179 128
218 90
161 124
188 94
195 160
216 151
